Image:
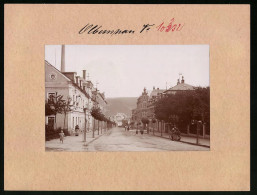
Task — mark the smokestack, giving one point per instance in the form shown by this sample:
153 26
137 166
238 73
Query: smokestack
63 59
84 74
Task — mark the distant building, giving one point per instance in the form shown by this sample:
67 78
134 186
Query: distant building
141 109
146 103
119 117
155 95
181 86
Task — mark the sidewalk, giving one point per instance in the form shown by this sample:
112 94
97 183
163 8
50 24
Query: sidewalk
72 143
184 139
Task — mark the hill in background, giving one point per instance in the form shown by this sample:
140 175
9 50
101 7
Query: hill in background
121 104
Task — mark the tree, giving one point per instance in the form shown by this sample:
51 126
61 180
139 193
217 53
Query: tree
48 110
184 106
66 108
124 122
95 112
56 104
145 121
153 121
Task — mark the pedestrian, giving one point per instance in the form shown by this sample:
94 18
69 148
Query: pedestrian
61 136
171 130
177 132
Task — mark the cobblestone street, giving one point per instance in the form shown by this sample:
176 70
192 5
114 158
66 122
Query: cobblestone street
117 139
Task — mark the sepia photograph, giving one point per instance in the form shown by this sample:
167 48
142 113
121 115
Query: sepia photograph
127 98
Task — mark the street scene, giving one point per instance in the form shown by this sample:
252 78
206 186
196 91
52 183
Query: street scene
117 139
127 98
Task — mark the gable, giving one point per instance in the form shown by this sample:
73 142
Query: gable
54 75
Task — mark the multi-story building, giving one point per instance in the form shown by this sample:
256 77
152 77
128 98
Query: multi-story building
100 100
75 91
141 109
155 95
146 104
180 87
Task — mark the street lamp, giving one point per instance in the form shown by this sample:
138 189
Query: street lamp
153 122
85 130
198 123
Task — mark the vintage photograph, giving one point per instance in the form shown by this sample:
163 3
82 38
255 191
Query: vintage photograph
127 98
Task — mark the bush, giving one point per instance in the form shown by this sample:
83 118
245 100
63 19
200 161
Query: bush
50 133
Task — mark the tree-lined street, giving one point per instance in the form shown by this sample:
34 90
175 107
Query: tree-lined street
117 139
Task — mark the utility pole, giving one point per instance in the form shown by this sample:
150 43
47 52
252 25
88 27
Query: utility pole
161 128
85 130
94 128
198 129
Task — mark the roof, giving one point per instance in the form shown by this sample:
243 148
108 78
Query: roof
74 84
46 62
155 92
181 87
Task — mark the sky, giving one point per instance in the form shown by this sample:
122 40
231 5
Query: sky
124 70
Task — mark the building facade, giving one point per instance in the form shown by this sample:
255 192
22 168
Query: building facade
146 104
71 88
119 117
141 110
75 90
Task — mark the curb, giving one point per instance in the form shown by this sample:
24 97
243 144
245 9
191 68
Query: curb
94 139
183 141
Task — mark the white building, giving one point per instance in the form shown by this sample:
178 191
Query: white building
75 88
119 117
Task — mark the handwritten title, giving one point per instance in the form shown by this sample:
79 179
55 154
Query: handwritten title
162 27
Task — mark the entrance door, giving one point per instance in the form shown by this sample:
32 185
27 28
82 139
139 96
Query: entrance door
51 122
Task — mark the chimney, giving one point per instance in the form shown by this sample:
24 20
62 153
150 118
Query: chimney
77 80
80 83
84 74
178 82
182 81
63 59
153 87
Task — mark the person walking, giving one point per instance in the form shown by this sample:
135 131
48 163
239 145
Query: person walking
61 136
177 132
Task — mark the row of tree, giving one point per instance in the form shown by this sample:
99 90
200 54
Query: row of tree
98 115
57 105
183 107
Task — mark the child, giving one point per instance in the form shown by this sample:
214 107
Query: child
61 136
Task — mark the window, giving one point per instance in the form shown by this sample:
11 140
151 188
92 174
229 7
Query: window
50 121
51 96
